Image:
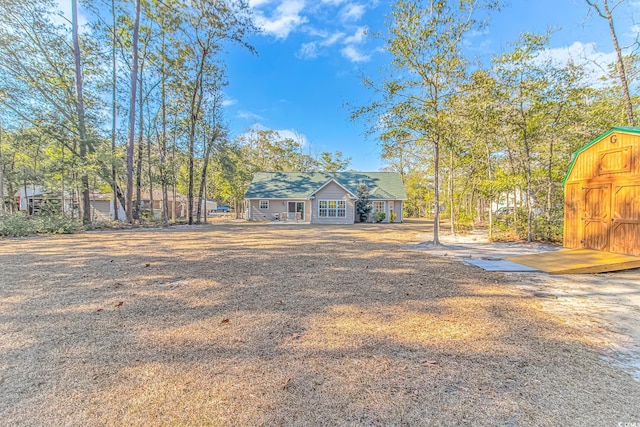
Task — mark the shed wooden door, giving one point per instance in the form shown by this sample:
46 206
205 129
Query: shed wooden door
596 217
625 233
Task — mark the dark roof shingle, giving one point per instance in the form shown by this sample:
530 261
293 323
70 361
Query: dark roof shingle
299 185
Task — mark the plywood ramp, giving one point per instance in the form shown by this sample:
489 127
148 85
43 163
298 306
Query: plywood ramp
575 261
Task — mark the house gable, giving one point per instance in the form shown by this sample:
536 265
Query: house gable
332 180
323 210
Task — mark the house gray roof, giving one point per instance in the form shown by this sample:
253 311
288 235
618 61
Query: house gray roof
299 185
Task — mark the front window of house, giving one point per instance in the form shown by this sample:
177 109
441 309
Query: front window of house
378 207
332 208
264 204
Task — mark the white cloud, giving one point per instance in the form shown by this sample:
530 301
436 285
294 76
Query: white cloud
358 37
353 54
351 51
333 2
595 62
257 3
65 7
248 115
479 33
332 39
229 102
352 12
284 19
293 134
308 51
313 49
315 32
282 133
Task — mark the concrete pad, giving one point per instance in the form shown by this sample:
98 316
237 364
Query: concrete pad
499 265
577 261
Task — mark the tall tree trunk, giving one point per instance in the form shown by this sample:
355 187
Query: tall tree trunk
173 204
529 205
527 159
62 210
82 130
491 193
196 102
150 173
35 177
114 94
203 175
451 198
2 205
10 190
436 180
622 73
138 206
163 142
173 161
205 200
549 188
26 197
132 114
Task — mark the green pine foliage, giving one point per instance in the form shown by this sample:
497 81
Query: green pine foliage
363 205
20 225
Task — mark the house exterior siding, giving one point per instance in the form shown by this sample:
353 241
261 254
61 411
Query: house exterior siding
257 214
276 207
333 192
394 206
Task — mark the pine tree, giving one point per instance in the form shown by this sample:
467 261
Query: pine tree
363 206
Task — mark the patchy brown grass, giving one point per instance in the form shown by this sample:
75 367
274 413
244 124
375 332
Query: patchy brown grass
243 324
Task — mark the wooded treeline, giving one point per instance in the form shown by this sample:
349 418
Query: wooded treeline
130 103
470 137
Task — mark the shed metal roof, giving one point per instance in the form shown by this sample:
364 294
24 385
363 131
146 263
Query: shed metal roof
300 185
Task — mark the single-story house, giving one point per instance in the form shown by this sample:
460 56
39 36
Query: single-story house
322 198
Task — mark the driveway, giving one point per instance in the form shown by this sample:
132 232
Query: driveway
604 305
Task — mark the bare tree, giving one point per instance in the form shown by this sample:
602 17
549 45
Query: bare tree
2 207
82 129
606 12
217 131
132 115
114 94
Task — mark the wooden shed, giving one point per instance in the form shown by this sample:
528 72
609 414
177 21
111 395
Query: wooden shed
602 194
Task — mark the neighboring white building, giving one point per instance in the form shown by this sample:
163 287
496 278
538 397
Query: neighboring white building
33 198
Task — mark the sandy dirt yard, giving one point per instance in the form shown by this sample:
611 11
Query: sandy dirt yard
261 324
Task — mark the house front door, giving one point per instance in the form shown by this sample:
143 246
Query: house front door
625 219
596 217
295 211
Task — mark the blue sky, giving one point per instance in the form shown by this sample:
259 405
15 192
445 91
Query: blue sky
311 53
